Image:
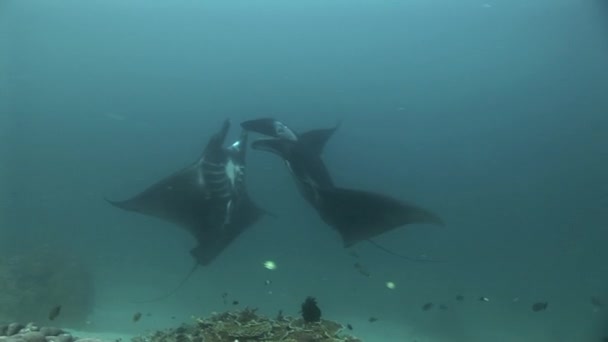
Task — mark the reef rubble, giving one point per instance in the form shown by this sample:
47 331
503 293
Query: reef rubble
247 326
17 332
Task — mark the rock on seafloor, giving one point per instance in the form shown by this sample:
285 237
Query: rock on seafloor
17 332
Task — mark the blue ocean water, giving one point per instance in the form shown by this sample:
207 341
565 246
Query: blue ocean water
493 114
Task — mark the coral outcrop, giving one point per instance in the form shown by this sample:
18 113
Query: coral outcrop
247 326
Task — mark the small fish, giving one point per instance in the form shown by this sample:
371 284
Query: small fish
55 311
224 295
597 302
372 319
268 282
428 306
484 299
350 327
235 302
443 307
137 316
460 298
362 269
540 306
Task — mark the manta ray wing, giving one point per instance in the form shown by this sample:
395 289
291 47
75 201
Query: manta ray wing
361 215
181 198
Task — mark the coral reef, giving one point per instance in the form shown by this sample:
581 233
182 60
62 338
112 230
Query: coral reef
247 326
32 284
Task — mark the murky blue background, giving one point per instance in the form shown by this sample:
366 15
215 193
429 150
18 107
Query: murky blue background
492 113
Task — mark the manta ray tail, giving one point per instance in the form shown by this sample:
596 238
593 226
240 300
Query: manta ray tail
361 215
401 256
172 292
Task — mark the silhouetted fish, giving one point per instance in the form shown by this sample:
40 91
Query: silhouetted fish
55 311
362 270
540 306
428 306
597 302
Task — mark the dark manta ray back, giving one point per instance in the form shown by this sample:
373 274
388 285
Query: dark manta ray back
356 215
208 198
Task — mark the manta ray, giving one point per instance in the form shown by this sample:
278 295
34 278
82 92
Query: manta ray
356 215
208 198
